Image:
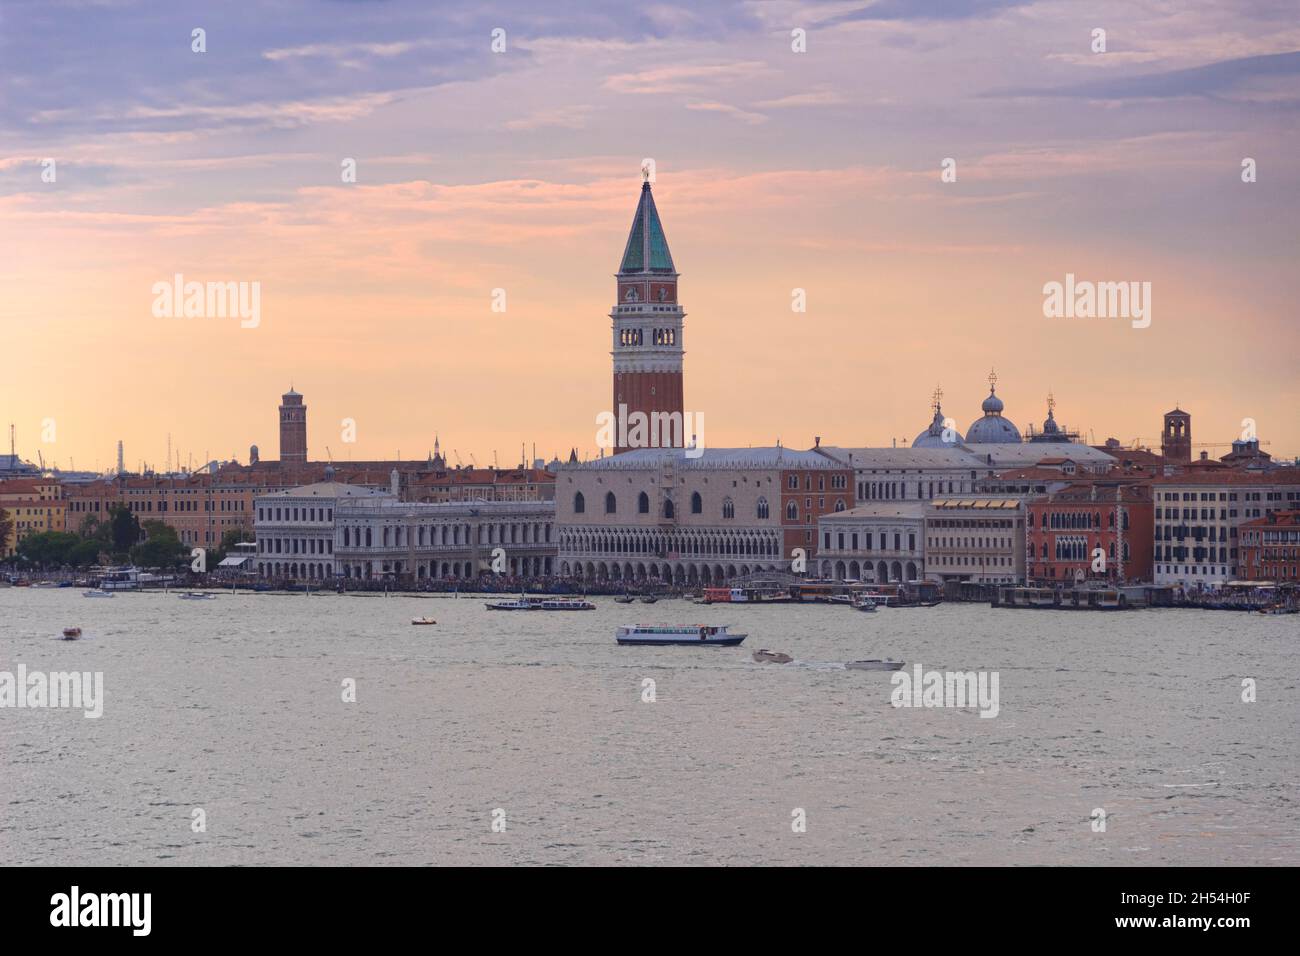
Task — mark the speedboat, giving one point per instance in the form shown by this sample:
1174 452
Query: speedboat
694 635
648 599
197 596
98 594
874 665
764 656
625 599
866 605
423 620
71 633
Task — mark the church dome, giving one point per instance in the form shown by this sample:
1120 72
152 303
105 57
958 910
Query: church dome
932 437
993 428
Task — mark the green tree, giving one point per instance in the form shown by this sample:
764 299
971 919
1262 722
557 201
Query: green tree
84 553
160 549
6 529
49 549
125 528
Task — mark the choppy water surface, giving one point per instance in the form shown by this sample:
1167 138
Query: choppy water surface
235 706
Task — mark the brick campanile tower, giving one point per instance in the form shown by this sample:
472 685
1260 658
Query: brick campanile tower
647 321
293 428
1176 443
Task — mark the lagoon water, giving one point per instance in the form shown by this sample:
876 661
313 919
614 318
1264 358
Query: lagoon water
235 706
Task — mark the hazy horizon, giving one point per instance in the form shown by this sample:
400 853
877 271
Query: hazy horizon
519 170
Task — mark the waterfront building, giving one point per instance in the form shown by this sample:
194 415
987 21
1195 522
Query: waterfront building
29 489
1198 518
1036 481
883 541
658 515
379 535
903 474
1270 547
448 485
29 515
977 538
647 325
295 529
1003 456
1068 526
201 508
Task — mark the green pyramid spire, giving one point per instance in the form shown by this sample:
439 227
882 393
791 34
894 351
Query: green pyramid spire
647 247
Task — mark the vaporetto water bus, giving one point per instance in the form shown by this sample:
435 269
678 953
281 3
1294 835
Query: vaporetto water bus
541 604
695 635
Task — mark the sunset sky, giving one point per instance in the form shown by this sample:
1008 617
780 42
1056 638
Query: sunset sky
520 170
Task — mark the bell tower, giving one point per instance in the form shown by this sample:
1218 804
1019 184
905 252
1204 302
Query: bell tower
647 325
293 428
1176 443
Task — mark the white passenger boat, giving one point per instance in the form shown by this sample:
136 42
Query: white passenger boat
698 634
519 604
568 604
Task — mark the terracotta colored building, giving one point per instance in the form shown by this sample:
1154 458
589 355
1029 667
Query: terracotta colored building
1066 528
201 508
1270 547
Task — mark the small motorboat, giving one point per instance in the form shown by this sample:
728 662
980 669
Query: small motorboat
423 620
874 665
866 605
764 656
648 599
71 633
98 594
197 596
840 599
625 599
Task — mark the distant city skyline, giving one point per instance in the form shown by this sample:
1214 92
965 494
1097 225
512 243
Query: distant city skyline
775 171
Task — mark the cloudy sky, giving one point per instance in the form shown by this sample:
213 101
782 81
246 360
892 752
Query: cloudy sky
519 170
